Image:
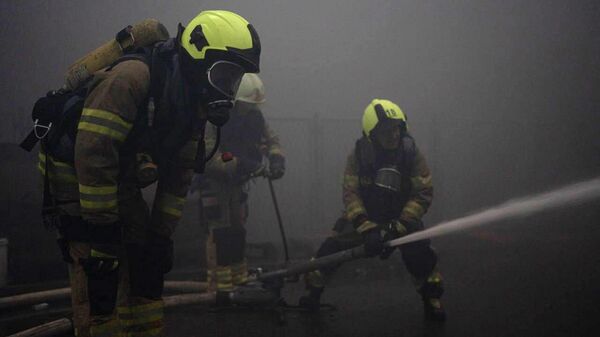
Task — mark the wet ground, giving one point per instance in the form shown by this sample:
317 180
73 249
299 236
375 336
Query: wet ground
535 277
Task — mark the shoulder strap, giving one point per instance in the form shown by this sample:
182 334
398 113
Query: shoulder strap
409 153
365 156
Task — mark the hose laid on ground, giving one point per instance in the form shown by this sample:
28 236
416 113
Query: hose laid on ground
64 325
65 293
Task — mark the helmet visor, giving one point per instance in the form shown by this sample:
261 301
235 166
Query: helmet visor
225 77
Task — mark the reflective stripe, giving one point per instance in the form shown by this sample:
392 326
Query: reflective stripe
412 210
365 226
104 123
355 208
108 329
171 204
98 197
435 277
136 309
239 273
419 183
149 332
275 151
350 180
58 171
315 279
224 279
142 320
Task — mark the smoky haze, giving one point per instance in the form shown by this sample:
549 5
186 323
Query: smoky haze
501 96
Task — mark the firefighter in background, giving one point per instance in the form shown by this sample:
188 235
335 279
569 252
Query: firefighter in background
386 191
248 148
110 236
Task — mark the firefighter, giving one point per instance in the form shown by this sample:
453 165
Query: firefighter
386 191
108 233
248 148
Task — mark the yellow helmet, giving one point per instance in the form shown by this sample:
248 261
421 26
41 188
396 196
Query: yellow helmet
221 45
252 89
381 110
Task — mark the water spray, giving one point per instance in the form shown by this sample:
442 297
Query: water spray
570 195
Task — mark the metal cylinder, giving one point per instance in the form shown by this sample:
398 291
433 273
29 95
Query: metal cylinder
142 34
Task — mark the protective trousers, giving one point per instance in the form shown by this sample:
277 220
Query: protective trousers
224 213
419 258
126 302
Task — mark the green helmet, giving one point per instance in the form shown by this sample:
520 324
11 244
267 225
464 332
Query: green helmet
381 111
252 89
221 45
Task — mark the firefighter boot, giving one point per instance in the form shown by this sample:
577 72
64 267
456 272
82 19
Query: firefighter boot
431 291
312 300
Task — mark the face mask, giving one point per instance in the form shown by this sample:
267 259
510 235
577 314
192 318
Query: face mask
218 111
224 78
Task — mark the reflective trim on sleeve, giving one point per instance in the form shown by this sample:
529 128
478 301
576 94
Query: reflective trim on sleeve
275 151
355 208
350 180
104 123
60 172
171 204
412 210
419 182
98 198
365 226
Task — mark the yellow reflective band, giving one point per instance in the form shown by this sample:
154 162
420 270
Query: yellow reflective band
275 152
98 190
108 329
98 197
171 205
96 253
108 116
315 279
225 286
96 205
365 226
172 211
104 123
355 208
413 210
420 183
136 309
435 277
102 130
142 319
351 179
147 332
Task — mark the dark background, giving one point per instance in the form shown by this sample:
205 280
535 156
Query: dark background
502 97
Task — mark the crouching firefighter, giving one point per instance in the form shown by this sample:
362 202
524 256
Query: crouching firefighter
148 109
248 148
386 191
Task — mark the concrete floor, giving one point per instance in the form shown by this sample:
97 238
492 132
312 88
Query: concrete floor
534 277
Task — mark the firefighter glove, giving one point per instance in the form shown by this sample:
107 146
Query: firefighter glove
276 166
373 242
248 168
395 229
